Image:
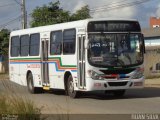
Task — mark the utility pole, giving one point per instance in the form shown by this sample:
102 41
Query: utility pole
24 17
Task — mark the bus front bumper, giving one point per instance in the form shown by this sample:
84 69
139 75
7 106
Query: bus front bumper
114 84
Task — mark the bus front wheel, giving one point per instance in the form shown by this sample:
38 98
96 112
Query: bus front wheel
70 88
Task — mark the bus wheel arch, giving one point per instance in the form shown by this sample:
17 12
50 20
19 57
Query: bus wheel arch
69 85
30 83
28 72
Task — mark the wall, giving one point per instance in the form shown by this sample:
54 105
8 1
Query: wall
151 58
3 64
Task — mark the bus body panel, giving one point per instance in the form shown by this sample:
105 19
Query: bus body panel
14 72
58 65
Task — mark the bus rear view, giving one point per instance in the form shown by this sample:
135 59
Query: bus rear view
115 54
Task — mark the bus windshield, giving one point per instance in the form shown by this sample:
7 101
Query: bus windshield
116 50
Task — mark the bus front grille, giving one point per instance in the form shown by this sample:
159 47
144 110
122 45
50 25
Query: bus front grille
117 83
118 71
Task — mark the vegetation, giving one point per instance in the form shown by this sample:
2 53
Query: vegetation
81 14
4 41
14 105
53 14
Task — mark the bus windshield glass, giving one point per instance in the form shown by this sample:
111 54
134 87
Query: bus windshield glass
115 49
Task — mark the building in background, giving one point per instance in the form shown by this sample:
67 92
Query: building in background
154 22
152 36
152 43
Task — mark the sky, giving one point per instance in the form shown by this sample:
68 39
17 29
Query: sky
9 10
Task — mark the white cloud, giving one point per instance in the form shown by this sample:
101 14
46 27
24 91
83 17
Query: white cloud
126 12
79 5
141 12
117 13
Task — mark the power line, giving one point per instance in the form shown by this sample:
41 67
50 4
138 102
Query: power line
7 5
103 8
117 6
23 10
18 2
122 3
110 4
9 22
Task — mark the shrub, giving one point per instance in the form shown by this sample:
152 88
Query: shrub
15 105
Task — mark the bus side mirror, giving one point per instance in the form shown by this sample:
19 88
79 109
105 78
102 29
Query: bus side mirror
86 44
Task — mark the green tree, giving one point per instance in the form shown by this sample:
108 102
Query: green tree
4 41
81 14
48 15
53 14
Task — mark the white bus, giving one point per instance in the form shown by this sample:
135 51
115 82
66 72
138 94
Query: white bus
79 56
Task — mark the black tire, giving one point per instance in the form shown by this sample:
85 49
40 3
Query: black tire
119 93
30 85
70 88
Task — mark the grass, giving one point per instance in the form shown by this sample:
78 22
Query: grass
15 105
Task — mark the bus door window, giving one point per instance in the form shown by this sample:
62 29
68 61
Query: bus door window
34 44
69 38
45 50
56 43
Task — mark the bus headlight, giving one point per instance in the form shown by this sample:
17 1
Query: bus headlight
94 75
138 74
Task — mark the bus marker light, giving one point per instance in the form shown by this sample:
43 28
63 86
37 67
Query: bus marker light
97 84
138 83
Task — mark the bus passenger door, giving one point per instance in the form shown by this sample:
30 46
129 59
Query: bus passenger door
44 61
81 61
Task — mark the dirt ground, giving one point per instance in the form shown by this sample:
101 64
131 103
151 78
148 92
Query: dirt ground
4 76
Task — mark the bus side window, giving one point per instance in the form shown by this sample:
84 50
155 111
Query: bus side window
34 44
69 38
56 43
24 45
15 46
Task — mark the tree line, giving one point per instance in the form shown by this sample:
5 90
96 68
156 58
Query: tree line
46 15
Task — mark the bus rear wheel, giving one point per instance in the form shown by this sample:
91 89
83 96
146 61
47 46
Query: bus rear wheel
30 85
70 88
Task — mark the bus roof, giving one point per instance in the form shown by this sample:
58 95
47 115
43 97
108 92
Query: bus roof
67 25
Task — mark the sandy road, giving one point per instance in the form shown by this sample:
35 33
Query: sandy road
145 100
